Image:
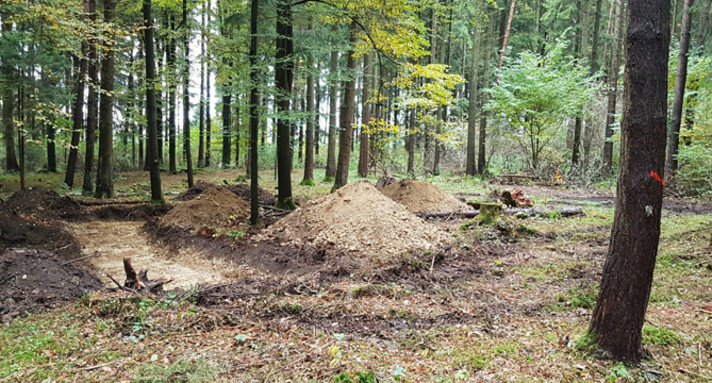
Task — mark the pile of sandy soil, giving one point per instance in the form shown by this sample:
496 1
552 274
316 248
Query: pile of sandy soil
44 203
357 218
420 197
31 280
216 206
241 190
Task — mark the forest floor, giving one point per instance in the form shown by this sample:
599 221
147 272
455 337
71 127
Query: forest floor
502 302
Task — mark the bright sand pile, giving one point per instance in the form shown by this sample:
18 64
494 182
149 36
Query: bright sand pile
357 218
216 206
420 197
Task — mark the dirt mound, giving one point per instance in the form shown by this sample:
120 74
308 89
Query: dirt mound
357 218
241 190
129 212
31 280
422 197
34 232
44 203
216 206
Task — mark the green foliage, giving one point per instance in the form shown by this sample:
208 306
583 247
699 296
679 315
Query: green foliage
587 342
659 337
535 94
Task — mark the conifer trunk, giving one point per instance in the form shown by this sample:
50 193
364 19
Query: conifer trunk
151 109
284 72
186 96
105 164
331 145
347 115
365 119
613 86
8 107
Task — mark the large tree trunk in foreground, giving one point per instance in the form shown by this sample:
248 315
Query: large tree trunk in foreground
347 116
331 146
151 131
92 120
681 79
284 72
613 86
105 164
628 273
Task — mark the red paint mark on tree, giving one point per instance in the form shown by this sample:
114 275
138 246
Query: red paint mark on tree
657 177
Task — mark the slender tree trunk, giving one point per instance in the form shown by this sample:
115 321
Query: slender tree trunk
411 142
8 98
470 162
594 43
365 119
680 82
186 96
226 145
254 117
171 52
331 146
347 115
582 38
311 116
613 86
92 110
105 164
617 319
704 23
317 103
78 110
506 35
208 119
481 150
159 108
151 131
284 71
201 113
238 130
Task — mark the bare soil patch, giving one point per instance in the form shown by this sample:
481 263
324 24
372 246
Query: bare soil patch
419 196
357 218
34 232
32 280
216 206
241 190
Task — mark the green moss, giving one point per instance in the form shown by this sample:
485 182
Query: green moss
587 342
307 182
329 179
286 204
659 337
489 213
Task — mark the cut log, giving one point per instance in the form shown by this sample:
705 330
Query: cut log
132 279
570 212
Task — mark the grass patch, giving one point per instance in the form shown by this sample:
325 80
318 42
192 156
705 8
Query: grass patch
659 337
184 370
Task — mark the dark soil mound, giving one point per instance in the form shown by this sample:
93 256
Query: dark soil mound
241 190
129 212
34 232
44 203
32 280
216 206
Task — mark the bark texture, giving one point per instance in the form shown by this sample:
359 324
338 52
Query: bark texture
105 164
347 115
284 72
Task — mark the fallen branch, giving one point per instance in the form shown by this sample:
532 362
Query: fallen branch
79 259
570 212
120 286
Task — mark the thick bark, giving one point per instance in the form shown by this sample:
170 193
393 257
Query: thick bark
254 117
8 107
347 115
680 82
186 96
151 131
470 160
613 86
311 116
92 110
365 118
105 160
331 146
78 109
481 145
171 60
618 317
284 72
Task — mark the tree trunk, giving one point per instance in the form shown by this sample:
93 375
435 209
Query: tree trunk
8 107
284 71
208 121
365 119
331 145
506 35
151 131
226 145
171 52
613 86
78 110
704 23
347 114
582 38
92 110
411 142
186 96
311 116
481 150
254 117
680 82
596 33
201 113
105 164
470 161
618 317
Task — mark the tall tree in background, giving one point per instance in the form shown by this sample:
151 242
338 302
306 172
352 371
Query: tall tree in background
680 82
8 106
613 70
254 116
283 75
333 86
201 106
151 132
482 139
311 117
186 96
92 110
365 118
346 119
628 273
470 160
105 164
172 94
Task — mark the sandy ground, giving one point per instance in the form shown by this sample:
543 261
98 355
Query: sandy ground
116 240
